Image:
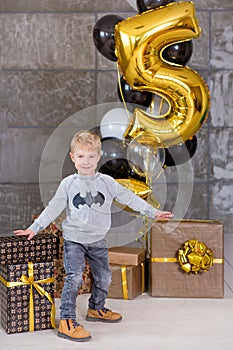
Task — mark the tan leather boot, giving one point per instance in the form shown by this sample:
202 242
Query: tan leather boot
104 315
72 330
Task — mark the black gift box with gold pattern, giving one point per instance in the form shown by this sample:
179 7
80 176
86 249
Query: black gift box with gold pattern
27 294
18 250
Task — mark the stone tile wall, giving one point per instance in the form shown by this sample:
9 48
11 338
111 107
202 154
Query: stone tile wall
50 69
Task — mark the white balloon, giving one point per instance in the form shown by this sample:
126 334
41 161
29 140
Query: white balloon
133 4
114 123
145 161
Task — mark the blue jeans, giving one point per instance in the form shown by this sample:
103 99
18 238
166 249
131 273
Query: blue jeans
75 255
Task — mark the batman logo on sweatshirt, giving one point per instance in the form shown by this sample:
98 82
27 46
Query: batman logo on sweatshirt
89 199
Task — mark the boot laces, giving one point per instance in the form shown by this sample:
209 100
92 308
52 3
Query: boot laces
105 310
75 323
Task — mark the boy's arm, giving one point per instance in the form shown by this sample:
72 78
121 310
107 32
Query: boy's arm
127 197
50 213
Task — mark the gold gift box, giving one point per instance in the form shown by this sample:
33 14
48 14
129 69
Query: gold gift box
167 279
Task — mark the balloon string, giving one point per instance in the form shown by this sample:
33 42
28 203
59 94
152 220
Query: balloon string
152 105
121 92
161 105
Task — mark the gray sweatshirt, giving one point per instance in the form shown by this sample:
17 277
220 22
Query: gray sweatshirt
88 200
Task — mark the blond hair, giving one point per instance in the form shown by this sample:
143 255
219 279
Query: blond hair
86 139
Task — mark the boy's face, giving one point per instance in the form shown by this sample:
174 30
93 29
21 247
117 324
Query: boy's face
85 160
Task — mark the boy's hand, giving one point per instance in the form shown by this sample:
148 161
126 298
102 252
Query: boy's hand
26 232
166 215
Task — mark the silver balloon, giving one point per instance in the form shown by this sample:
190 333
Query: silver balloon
146 157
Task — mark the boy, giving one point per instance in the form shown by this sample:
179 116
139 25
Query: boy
87 196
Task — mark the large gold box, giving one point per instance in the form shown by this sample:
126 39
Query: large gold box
168 279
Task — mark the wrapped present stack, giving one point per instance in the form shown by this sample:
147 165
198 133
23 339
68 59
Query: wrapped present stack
128 272
187 259
27 282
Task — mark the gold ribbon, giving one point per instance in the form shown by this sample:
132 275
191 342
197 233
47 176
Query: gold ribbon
143 276
172 260
164 260
124 280
36 284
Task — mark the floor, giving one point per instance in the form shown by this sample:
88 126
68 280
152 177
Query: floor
148 323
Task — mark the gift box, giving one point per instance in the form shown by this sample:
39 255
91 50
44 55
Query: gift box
127 281
27 297
126 255
129 272
187 259
54 229
18 249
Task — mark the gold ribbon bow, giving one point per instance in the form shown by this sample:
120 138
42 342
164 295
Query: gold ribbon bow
194 257
36 284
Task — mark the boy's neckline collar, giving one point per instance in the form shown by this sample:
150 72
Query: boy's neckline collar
84 177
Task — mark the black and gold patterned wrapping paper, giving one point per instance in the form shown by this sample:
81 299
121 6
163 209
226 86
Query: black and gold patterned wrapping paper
15 300
18 250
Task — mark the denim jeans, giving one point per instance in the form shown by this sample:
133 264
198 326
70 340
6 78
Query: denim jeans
75 255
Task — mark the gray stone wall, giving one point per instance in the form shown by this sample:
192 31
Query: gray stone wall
50 69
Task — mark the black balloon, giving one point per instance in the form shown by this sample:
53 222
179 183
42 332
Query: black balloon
117 168
180 153
134 97
112 148
103 35
113 161
144 5
179 53
96 130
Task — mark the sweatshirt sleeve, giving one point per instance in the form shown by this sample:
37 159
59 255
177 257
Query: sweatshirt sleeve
56 205
129 198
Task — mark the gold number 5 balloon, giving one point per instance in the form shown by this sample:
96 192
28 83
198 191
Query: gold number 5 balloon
139 44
